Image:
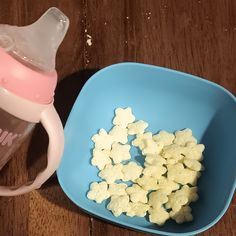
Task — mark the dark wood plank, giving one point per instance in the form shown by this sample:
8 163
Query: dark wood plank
52 213
99 228
194 36
105 22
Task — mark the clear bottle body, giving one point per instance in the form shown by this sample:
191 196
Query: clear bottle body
12 132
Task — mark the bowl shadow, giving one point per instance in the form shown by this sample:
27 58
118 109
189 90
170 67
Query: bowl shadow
65 96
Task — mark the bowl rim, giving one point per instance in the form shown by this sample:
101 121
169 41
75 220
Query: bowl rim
116 220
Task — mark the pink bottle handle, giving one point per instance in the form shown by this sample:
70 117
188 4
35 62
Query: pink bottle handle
52 124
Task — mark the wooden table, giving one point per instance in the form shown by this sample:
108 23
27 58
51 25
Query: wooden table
195 36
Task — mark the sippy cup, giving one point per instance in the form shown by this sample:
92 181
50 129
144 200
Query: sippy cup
27 83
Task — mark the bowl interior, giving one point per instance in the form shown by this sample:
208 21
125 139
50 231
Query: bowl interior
167 100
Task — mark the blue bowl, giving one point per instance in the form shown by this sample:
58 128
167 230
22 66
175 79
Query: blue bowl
166 99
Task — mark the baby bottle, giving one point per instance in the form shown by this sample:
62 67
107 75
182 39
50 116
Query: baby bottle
27 83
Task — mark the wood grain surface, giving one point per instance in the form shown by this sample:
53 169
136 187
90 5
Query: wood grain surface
195 36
